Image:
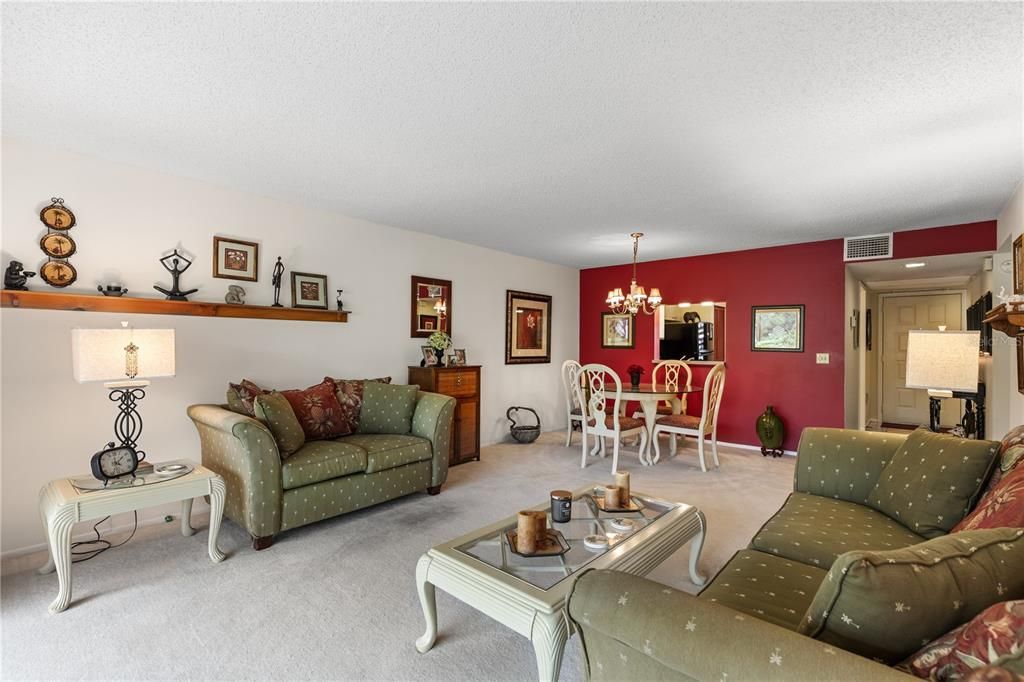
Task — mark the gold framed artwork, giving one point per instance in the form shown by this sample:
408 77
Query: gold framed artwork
309 291
1018 265
527 328
777 328
617 330
236 259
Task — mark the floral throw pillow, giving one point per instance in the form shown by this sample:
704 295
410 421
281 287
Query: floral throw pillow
350 395
318 411
994 637
1011 452
1002 507
244 395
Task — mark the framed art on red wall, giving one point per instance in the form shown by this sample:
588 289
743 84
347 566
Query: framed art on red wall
777 328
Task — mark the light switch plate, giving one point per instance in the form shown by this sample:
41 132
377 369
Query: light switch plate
822 358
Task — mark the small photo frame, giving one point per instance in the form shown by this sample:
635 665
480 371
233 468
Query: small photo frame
429 356
777 328
235 259
309 291
428 322
457 358
617 331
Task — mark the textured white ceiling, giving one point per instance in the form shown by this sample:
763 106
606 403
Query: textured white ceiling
549 130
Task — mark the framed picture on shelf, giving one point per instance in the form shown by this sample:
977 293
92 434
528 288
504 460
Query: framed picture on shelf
428 322
527 328
235 259
429 356
457 358
309 291
1018 265
617 331
777 328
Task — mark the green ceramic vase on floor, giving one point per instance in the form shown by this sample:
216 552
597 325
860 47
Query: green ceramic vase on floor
770 432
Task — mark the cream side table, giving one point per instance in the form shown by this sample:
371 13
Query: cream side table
61 505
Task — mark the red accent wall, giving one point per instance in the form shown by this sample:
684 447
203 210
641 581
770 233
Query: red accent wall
942 241
813 274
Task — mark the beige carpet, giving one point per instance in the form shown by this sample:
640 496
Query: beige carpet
336 600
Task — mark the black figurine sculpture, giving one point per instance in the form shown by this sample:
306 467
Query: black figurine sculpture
175 293
15 276
341 306
276 281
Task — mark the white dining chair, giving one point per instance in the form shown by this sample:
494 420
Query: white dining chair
573 411
602 418
672 374
703 427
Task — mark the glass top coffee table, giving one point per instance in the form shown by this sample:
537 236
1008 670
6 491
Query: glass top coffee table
528 594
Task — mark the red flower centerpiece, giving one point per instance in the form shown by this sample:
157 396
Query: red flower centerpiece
634 372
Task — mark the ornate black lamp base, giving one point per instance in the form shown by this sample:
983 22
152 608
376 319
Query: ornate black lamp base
128 422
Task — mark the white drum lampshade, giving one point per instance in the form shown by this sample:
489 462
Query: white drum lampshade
106 354
943 361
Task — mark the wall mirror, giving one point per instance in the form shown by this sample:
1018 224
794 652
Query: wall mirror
431 306
690 331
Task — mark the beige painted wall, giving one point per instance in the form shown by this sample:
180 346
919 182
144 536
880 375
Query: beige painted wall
1007 403
128 217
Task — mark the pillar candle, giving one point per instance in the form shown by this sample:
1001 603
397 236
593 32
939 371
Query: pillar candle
622 480
612 496
530 529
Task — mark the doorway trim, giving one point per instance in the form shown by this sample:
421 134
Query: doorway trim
879 321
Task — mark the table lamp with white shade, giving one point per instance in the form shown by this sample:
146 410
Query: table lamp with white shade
124 359
943 362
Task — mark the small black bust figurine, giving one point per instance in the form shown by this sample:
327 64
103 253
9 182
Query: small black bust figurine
175 293
276 281
15 276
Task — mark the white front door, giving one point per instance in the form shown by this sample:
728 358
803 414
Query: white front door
900 314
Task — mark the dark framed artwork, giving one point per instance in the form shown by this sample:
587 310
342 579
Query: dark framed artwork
236 259
428 323
527 328
617 330
867 329
1018 265
309 291
778 328
1019 341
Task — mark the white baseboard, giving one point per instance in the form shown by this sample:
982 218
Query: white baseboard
199 509
757 448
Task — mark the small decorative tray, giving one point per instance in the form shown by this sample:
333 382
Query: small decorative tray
634 505
554 544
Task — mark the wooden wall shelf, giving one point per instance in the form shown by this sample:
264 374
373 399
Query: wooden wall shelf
45 300
1009 323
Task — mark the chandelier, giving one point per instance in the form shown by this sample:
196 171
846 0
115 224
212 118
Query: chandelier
637 299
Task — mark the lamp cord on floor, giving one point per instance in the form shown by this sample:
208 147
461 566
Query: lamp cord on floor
103 545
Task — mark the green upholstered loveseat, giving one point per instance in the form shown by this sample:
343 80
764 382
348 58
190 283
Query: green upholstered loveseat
324 478
829 588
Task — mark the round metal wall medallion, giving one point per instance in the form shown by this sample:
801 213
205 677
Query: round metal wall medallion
58 273
58 245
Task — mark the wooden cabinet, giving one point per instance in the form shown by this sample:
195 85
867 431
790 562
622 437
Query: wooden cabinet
463 384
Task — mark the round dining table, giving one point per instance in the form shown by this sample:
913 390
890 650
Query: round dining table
649 395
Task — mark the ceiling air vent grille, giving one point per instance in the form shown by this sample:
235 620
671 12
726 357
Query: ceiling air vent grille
868 247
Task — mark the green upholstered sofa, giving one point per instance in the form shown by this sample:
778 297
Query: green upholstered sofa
829 588
324 478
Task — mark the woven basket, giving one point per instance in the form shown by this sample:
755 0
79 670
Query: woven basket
523 434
